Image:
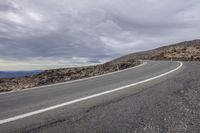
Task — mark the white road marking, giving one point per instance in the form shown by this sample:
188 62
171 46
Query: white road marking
73 81
85 98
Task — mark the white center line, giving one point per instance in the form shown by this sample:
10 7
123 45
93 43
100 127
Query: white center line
85 98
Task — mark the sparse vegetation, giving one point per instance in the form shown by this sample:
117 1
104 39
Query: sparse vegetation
184 51
65 74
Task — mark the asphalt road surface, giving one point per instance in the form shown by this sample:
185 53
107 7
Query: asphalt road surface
134 100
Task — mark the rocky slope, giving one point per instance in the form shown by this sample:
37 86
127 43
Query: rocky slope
65 74
184 51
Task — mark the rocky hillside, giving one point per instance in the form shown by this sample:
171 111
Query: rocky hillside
65 74
184 51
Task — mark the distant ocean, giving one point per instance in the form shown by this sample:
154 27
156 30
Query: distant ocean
14 74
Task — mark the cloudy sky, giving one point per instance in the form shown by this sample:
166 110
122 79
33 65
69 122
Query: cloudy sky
41 34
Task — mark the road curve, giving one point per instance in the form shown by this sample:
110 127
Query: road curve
28 109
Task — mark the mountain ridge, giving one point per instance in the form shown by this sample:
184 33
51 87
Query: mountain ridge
183 51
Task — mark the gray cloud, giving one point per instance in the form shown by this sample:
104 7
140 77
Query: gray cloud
91 31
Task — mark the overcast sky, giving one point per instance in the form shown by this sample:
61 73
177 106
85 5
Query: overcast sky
38 34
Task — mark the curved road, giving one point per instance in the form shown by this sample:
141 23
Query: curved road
35 107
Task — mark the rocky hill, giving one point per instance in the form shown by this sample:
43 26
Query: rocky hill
66 74
184 51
